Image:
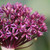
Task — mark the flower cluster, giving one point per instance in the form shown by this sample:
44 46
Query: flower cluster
18 25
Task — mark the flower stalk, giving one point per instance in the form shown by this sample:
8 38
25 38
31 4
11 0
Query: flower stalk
3 48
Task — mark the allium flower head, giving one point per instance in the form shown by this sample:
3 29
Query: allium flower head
18 25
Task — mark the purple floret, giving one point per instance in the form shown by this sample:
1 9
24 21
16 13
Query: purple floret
18 25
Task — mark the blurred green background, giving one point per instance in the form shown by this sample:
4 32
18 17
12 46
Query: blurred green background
43 7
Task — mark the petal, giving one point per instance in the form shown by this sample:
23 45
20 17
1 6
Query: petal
23 35
40 33
29 33
16 38
11 38
15 33
27 36
13 29
9 33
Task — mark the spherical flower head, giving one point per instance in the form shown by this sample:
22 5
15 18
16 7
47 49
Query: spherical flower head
18 25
